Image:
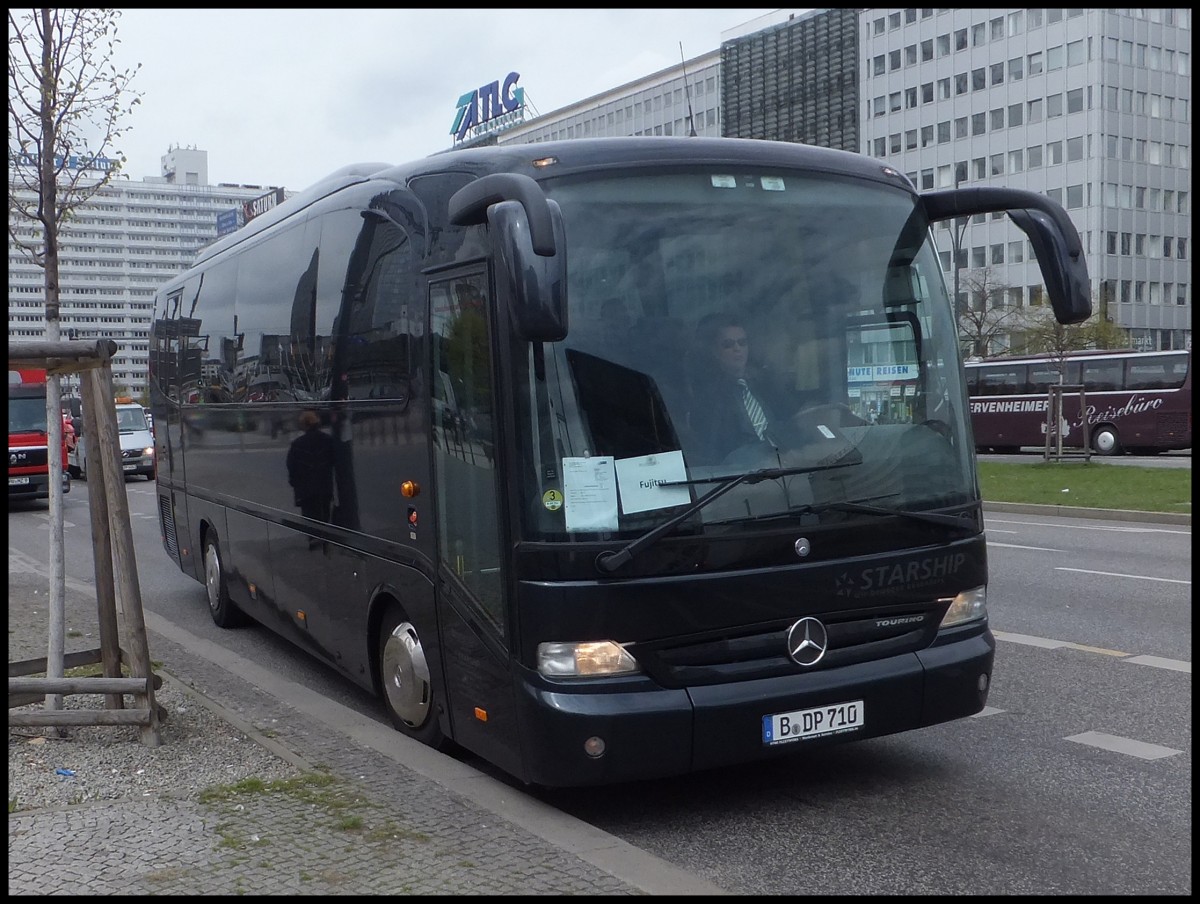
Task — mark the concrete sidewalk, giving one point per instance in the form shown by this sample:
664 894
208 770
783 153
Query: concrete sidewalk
248 795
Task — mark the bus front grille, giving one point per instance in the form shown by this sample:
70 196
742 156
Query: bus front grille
761 651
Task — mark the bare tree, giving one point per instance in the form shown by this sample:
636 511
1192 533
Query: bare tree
66 104
987 317
1041 333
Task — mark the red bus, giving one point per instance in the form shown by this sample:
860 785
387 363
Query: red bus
1137 402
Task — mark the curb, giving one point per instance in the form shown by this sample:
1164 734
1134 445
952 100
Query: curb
1074 511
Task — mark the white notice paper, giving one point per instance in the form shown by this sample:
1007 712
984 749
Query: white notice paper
590 493
640 479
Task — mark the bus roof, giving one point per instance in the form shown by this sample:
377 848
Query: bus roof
584 154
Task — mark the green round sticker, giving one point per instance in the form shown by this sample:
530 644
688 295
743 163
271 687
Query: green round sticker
552 499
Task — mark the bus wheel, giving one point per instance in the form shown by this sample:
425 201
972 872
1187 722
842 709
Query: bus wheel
406 680
1105 441
224 611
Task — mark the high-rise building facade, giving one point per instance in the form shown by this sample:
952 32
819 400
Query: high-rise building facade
795 80
1090 107
122 244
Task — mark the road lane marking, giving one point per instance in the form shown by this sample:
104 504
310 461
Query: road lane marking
1115 574
1127 746
1049 643
1159 662
988 711
1017 546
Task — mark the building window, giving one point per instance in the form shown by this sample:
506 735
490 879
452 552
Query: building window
1054 58
1016 69
1074 197
943 45
1016 115
943 88
910 140
960 39
943 132
997 254
1035 63
1054 106
978 123
1075 100
926 136
910 55
1035 110
978 35
894 101
1014 23
880 147
997 73
878 64
894 60
1033 157
1075 54
927 50
979 165
961 127
1016 161
1035 18
927 93
1074 149
997 117
960 83
1054 152
997 164
978 79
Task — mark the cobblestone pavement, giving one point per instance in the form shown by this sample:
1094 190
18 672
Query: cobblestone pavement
248 795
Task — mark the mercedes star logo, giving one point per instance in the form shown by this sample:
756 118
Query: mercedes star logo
806 642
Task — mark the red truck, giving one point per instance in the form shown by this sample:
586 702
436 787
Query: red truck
28 459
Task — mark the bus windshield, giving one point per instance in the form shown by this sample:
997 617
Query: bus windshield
723 321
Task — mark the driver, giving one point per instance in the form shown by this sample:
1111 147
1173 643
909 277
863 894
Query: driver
734 402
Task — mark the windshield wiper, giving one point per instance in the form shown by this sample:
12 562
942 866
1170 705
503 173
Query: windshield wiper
962 522
609 561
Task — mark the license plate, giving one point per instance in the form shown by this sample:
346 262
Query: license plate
130 467
17 481
805 724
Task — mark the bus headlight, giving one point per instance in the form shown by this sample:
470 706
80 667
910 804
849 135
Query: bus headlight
968 606
148 452
586 658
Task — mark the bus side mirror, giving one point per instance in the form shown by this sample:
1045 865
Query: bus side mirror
1064 272
535 286
529 240
1053 236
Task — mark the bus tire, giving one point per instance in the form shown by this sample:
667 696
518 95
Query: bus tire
1105 440
406 681
223 610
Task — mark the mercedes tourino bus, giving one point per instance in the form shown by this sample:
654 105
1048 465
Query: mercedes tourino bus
451 427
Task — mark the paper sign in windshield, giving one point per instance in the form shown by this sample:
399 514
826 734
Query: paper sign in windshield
641 482
590 493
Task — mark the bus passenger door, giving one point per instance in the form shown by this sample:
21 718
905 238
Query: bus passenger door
471 611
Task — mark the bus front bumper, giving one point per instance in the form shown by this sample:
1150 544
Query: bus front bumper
651 732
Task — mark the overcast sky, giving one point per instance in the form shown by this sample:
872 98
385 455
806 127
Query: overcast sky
287 97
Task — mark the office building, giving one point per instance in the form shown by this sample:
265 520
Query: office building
123 243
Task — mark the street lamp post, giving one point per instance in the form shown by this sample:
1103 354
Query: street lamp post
957 230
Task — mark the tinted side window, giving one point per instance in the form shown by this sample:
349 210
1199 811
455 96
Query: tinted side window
1103 376
1154 372
1002 379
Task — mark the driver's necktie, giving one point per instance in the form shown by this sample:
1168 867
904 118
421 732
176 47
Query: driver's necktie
758 419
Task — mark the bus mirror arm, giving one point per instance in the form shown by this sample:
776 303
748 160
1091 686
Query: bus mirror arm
1053 236
469 206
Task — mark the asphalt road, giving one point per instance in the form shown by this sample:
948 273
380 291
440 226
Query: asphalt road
1075 780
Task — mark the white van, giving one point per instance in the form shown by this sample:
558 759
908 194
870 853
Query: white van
137 443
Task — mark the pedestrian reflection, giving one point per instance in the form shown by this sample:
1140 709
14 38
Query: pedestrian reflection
310 468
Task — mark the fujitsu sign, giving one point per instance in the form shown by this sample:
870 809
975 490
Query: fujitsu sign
487 105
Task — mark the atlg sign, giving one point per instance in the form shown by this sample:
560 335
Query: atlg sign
489 107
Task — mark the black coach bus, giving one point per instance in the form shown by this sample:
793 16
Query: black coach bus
458 428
